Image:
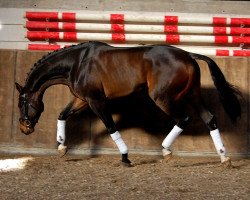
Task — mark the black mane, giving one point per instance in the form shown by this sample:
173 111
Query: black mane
51 54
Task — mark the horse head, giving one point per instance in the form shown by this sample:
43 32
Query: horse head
30 109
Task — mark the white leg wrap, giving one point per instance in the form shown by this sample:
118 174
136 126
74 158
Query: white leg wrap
119 142
215 134
60 137
168 141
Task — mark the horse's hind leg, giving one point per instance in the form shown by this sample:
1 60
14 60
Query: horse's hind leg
177 111
173 134
75 105
210 121
100 108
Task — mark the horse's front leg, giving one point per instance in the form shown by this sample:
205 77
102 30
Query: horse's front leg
75 105
100 108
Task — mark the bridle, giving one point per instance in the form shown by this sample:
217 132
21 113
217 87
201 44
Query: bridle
27 105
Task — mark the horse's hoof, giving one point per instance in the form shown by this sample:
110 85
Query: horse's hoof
226 163
125 161
127 164
62 150
167 154
168 157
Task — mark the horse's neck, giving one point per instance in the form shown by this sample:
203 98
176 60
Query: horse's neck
45 76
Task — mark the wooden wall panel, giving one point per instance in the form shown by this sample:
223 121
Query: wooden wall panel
142 125
7 66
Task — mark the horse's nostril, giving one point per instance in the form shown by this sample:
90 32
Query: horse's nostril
27 123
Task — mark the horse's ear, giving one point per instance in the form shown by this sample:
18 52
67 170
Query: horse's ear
18 87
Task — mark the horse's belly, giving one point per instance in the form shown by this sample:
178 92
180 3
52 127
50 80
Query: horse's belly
114 90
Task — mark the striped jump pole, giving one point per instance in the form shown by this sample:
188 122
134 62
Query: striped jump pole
204 51
232 32
122 18
174 29
122 37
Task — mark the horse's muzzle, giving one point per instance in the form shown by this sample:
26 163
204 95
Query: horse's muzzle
26 127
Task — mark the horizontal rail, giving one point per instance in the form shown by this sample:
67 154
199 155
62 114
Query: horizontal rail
205 51
120 18
121 37
72 26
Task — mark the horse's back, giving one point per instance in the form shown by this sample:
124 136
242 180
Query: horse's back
120 71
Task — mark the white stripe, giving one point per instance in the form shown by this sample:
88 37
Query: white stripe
195 20
231 53
59 15
60 25
197 39
61 35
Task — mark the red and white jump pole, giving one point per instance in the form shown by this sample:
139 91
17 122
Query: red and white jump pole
122 37
121 18
141 28
205 51
72 26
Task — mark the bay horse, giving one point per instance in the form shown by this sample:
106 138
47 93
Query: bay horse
96 72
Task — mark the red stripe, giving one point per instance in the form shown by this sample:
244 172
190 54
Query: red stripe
118 37
43 47
69 16
222 52
117 18
221 39
117 27
72 36
238 40
69 26
241 53
172 38
41 35
220 30
220 20
236 30
170 29
239 21
171 20
41 15
41 25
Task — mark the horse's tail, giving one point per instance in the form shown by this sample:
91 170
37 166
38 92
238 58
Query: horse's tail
227 92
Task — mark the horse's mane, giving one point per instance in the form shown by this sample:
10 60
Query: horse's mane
53 53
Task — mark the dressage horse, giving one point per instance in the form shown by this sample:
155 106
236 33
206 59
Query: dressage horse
96 72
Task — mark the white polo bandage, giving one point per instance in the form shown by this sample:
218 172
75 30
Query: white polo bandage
168 141
60 136
119 142
215 134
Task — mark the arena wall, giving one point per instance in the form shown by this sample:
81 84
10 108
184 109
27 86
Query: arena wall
141 124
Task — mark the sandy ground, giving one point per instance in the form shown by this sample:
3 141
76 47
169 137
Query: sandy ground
102 177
